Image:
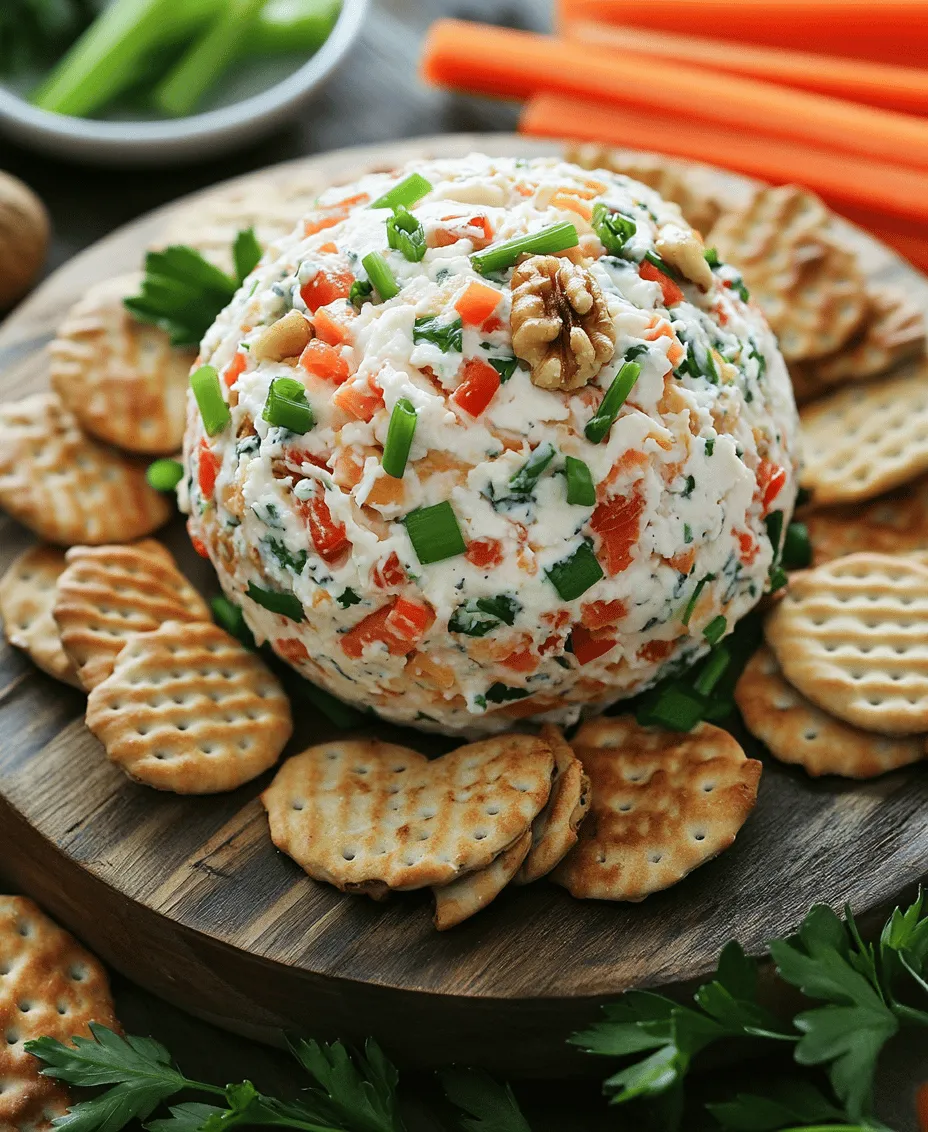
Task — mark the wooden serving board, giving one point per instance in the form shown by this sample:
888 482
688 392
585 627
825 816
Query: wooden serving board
188 897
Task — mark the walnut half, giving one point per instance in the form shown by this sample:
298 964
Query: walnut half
560 322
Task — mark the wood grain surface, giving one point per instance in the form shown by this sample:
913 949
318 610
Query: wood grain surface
190 898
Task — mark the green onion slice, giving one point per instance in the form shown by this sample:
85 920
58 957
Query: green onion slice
447 336
774 525
675 707
573 576
523 482
287 407
229 617
164 475
434 533
623 383
380 275
287 605
359 292
547 241
711 256
580 489
691 604
483 615
778 578
399 438
714 670
715 630
206 389
613 228
405 234
406 193
797 547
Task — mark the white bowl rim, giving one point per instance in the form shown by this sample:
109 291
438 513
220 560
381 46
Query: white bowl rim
267 102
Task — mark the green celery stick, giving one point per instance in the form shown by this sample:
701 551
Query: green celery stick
201 66
299 26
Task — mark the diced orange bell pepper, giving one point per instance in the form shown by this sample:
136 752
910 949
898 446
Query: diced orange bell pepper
484 553
359 399
330 330
478 387
522 660
601 614
587 647
670 291
748 547
322 360
207 469
616 522
234 369
325 287
319 223
656 650
477 303
291 649
399 626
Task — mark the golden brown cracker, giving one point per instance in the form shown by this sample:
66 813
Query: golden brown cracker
27 597
465 897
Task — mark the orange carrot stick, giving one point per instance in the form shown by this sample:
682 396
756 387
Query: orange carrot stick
892 31
876 84
516 64
841 179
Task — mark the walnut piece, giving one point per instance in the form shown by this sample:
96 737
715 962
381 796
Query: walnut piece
285 338
683 249
561 323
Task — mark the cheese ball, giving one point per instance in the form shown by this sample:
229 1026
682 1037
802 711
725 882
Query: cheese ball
490 439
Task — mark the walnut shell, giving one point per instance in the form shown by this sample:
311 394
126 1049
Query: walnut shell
24 232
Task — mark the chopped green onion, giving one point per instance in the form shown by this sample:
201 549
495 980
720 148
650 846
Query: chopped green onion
598 427
399 438
434 533
613 228
555 238
287 407
675 707
778 578
406 193
482 616
636 351
691 604
246 253
446 336
711 256
580 489
380 275
663 267
573 576
164 475
405 234
359 292
501 693
714 670
738 286
715 630
523 482
287 605
505 367
797 548
229 617
774 525
206 389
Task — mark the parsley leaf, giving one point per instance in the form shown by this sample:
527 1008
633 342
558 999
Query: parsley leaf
490 1107
785 1104
445 335
246 253
357 1093
188 1117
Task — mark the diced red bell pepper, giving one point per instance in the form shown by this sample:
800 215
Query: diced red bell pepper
325 287
399 626
324 361
478 387
670 291
329 538
330 329
616 522
408 620
234 369
587 647
390 574
199 546
360 399
291 649
522 660
207 469
770 480
600 614
484 553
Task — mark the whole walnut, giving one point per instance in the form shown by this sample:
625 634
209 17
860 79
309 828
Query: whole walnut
23 239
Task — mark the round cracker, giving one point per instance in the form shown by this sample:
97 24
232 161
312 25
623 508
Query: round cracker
852 636
109 593
189 709
795 731
892 524
663 803
121 378
65 486
27 596
463 898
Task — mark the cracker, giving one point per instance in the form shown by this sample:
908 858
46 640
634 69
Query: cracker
663 803
896 523
49 987
463 898
368 816
66 487
27 596
690 189
109 593
866 439
795 731
121 378
189 709
554 831
807 283
852 636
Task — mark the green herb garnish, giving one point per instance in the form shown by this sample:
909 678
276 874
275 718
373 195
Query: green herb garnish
230 617
405 234
208 395
404 195
715 630
547 241
287 407
525 479
598 427
573 576
580 489
359 292
348 598
446 336
502 693
694 597
613 228
484 614
434 533
505 367
287 605
381 276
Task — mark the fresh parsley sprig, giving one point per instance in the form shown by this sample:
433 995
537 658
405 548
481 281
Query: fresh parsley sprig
182 293
489 1106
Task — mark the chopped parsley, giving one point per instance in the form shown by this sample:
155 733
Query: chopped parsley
446 336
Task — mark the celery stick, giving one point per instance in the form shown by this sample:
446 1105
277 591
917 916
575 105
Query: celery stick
202 65
300 26
106 59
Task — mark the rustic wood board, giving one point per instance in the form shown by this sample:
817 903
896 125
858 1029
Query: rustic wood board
189 898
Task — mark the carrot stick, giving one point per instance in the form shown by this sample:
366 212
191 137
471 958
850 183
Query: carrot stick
909 240
876 84
892 31
841 179
517 64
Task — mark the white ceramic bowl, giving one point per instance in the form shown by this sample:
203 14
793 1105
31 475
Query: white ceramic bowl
181 139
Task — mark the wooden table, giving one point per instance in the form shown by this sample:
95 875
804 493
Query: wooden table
376 97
